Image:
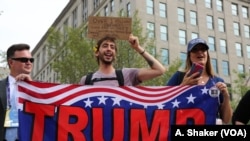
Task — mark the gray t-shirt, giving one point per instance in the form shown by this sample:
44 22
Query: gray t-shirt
129 75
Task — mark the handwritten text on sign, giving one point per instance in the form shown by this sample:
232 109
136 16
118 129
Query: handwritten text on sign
98 27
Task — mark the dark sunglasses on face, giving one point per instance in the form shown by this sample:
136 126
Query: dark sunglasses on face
196 49
23 59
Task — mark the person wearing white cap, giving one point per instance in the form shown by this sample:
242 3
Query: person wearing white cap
197 52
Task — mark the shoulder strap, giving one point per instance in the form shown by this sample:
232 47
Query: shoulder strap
88 79
120 78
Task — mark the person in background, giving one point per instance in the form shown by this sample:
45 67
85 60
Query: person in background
20 63
105 54
241 115
197 52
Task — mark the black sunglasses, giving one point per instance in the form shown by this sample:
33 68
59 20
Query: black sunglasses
23 59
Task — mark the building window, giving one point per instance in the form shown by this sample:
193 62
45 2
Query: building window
181 15
241 68
234 9
192 1
211 43
38 62
219 5
55 77
44 76
193 18
194 35
151 29
210 22
44 54
236 27
248 51
238 49
182 37
106 10
96 4
85 10
48 70
247 31
164 56
75 18
112 5
41 76
208 3
225 68
164 32
223 46
163 10
214 65
150 7
65 31
128 10
183 57
245 12
221 25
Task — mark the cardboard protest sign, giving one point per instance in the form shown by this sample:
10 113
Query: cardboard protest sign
117 27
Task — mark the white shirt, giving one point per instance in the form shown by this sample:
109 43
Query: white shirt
13 89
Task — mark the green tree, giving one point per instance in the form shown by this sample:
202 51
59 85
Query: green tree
161 81
239 87
73 56
3 57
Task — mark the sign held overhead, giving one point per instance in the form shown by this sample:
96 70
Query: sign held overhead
117 27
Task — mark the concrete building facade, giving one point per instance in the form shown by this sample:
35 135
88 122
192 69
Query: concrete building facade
224 24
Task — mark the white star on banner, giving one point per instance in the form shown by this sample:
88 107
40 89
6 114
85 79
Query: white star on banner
116 100
176 103
191 98
88 103
102 99
204 90
160 106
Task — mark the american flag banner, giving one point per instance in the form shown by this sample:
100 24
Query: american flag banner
70 112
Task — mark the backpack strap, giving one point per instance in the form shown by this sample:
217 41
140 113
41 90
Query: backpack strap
120 78
88 80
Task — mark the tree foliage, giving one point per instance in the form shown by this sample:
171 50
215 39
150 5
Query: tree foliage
240 86
3 60
73 57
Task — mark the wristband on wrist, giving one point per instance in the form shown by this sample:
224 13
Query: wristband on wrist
142 52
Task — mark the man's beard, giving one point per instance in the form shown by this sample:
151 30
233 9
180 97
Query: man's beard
106 62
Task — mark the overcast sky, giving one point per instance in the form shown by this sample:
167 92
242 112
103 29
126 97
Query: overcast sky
26 21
